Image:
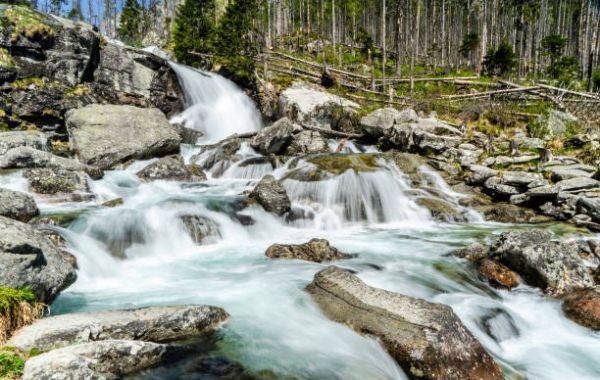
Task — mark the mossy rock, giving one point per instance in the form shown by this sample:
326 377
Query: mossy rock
27 23
329 165
337 164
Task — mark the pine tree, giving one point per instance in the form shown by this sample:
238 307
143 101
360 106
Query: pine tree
194 30
129 25
236 38
500 61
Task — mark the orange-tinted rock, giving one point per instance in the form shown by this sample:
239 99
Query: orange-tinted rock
583 307
498 274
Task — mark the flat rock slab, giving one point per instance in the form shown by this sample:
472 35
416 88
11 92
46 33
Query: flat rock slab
426 339
108 359
26 157
15 139
152 324
106 135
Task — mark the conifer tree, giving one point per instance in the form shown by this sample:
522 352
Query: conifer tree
236 41
194 30
129 25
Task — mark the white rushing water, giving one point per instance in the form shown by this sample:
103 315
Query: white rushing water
215 106
140 254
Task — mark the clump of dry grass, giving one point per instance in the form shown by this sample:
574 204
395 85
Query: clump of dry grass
18 308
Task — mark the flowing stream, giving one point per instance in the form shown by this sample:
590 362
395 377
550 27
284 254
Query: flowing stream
139 254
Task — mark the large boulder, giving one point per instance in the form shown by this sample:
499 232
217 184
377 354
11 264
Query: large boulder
106 135
313 105
426 339
379 121
317 250
271 195
151 324
17 205
111 359
10 140
171 168
555 266
28 258
274 138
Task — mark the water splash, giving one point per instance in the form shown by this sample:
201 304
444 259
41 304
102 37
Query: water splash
215 105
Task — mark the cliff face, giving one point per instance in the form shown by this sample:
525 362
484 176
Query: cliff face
49 65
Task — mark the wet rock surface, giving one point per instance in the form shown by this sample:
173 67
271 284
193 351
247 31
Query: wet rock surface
427 340
201 229
153 324
29 259
271 195
317 250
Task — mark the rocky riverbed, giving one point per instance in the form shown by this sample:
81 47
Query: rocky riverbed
331 242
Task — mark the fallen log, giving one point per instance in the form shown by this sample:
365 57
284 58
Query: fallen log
570 92
329 132
490 93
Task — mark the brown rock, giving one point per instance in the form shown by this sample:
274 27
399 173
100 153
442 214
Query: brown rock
317 250
583 307
497 274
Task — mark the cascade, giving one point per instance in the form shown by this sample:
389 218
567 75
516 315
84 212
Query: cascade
215 106
141 253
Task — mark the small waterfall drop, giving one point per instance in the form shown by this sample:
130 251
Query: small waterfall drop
215 105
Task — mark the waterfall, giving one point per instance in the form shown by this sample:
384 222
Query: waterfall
215 106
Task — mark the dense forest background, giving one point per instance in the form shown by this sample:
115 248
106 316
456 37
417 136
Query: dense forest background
556 39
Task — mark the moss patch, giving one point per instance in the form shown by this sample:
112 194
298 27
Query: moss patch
28 23
6 61
78 90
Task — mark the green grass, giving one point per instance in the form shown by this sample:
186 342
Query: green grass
10 297
11 364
